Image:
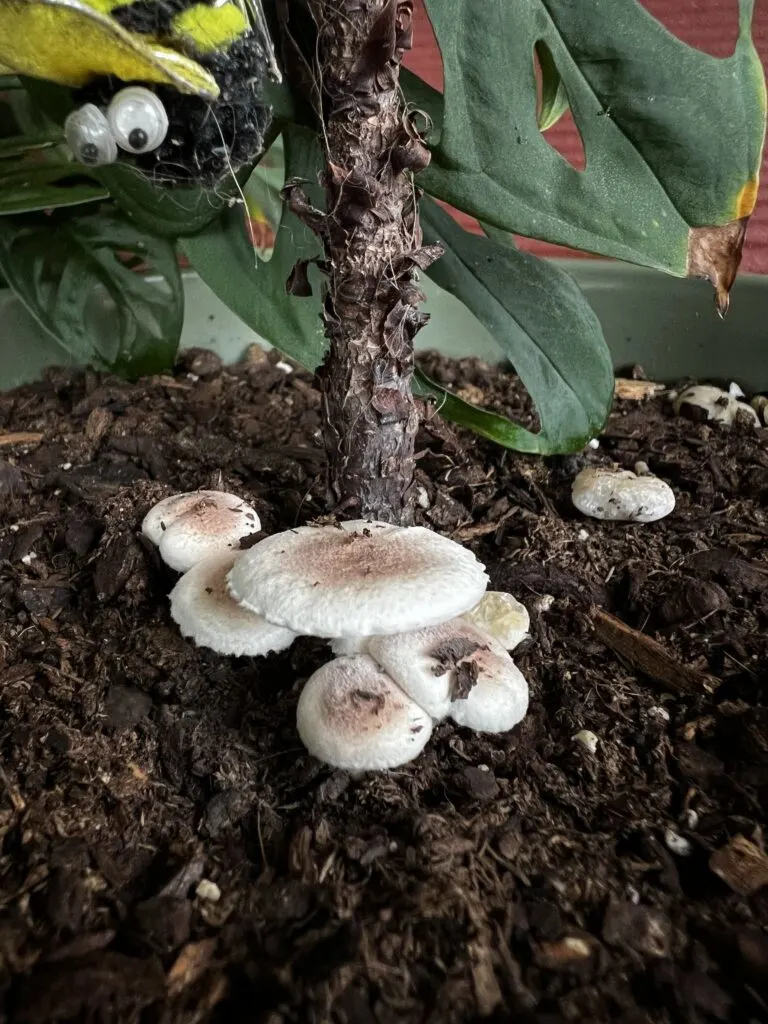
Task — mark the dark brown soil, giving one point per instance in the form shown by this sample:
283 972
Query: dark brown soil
517 877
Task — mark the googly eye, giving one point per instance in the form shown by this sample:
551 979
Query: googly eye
89 137
137 119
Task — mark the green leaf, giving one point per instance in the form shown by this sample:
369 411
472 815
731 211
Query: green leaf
256 290
420 96
168 212
79 277
20 145
262 190
28 185
544 326
554 98
672 136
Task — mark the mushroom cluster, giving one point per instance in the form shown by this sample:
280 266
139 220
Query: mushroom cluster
416 638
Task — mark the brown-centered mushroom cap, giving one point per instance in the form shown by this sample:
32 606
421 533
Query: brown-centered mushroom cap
357 579
351 715
456 669
191 526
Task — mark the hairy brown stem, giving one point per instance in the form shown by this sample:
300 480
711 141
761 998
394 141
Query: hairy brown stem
373 248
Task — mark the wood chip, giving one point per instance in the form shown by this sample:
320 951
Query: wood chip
564 954
741 865
636 390
20 437
16 799
190 965
648 655
487 990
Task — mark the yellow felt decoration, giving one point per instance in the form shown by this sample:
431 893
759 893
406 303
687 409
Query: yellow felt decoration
211 28
71 42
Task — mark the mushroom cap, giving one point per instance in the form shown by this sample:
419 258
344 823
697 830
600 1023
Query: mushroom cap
497 702
357 579
351 715
456 669
191 526
204 611
603 492
502 616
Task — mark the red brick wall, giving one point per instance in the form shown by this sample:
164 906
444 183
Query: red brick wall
708 24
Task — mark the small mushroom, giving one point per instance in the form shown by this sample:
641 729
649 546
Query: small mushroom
204 611
352 715
760 404
357 579
502 616
609 493
189 527
715 405
458 670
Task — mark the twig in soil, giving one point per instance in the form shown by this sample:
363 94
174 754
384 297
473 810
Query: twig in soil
17 800
636 390
20 437
647 655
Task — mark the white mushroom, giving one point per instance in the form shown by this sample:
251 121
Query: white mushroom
357 579
191 526
501 615
351 715
720 406
204 611
456 669
760 404
605 492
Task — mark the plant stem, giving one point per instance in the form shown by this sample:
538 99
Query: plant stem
373 249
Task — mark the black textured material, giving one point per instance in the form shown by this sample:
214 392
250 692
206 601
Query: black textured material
206 140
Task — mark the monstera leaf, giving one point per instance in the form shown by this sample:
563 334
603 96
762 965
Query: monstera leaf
78 276
672 136
543 325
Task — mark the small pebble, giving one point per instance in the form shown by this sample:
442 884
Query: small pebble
594 444
208 890
587 739
678 844
66 465
691 819
29 558
543 603
659 712
285 367
619 495
583 534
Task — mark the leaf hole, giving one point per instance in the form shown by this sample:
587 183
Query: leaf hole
709 25
554 117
